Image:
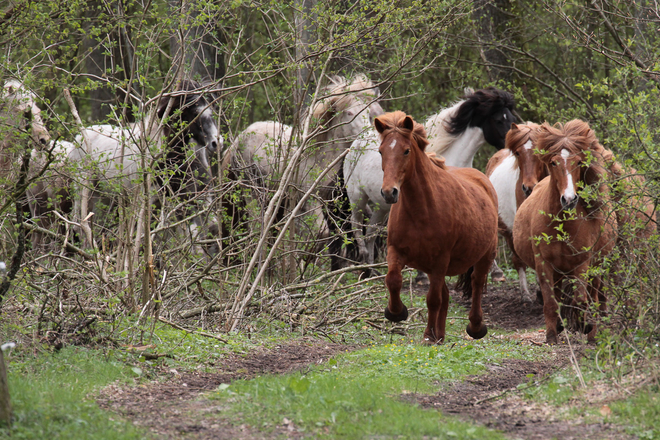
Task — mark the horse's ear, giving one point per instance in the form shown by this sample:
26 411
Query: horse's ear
408 123
514 126
380 125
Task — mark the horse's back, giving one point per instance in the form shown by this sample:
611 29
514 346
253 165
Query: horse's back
111 148
262 144
476 183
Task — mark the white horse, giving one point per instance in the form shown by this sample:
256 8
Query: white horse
115 154
457 133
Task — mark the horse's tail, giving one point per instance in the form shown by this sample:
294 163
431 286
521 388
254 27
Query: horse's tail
464 283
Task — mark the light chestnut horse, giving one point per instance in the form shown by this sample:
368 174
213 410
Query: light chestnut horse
514 172
562 234
443 221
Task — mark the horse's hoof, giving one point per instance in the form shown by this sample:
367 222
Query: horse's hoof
526 299
477 335
396 318
497 278
587 329
551 340
430 342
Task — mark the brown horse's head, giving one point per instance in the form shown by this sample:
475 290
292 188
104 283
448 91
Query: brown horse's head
402 140
521 141
568 151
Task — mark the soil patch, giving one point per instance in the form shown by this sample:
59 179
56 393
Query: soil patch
504 309
491 399
171 409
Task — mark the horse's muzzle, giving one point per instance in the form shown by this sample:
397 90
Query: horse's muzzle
391 196
212 146
526 190
569 204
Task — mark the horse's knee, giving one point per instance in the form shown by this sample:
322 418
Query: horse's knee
394 280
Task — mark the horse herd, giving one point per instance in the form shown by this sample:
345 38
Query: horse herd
544 189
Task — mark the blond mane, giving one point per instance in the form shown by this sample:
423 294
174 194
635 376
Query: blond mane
342 94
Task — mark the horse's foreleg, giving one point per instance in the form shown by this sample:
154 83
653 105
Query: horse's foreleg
395 311
476 328
520 267
545 275
357 217
437 301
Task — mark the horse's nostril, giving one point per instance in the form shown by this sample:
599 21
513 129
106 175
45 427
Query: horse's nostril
395 193
43 141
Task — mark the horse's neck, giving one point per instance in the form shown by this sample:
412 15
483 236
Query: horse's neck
417 187
461 152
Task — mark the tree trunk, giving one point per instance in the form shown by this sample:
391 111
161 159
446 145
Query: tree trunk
304 37
492 21
96 63
201 59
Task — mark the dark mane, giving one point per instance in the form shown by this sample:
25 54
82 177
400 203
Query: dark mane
394 122
477 107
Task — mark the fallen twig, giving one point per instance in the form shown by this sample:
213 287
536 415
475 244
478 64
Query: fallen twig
178 327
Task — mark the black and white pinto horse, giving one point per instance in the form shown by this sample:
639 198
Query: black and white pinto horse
456 133
178 151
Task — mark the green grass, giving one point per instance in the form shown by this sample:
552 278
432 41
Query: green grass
642 412
52 396
357 395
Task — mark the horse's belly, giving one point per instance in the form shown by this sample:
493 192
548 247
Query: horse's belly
449 254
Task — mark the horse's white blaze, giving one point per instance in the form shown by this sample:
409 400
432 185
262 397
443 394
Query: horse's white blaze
504 115
528 145
569 191
504 179
393 144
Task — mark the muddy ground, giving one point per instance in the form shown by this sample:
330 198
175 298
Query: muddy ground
174 408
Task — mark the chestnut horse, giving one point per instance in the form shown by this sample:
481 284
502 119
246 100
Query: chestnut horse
514 172
443 221
562 234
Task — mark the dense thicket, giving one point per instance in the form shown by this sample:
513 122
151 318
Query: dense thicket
265 60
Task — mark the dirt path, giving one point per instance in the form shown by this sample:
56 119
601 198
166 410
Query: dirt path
171 408
174 408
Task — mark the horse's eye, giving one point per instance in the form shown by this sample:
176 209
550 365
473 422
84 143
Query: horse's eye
407 152
517 153
554 164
